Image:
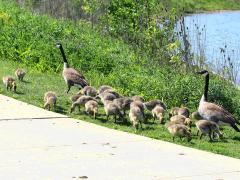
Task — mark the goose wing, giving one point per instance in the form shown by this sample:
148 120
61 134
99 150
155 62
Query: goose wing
216 112
74 77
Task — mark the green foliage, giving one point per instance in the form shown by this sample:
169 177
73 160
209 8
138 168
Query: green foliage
147 25
31 39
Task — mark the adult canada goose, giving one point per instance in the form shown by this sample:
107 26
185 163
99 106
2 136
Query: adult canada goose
213 112
71 76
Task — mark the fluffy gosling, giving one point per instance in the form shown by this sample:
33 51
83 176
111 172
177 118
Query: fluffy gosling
10 83
80 101
208 127
103 88
20 73
138 98
180 111
180 119
123 103
88 91
106 96
50 100
136 114
196 115
74 98
112 109
151 104
91 107
179 130
158 112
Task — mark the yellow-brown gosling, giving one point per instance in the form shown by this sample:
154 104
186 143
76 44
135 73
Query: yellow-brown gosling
91 107
179 130
123 103
136 114
196 115
158 112
50 100
80 101
106 96
10 83
151 104
71 76
208 127
20 73
137 98
180 111
75 97
103 88
113 109
213 112
180 119
88 91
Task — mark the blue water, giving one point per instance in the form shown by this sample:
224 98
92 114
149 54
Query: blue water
220 30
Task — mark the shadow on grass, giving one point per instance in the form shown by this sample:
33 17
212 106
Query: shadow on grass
19 93
236 138
59 109
26 82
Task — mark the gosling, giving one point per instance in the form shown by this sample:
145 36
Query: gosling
136 114
106 96
180 111
91 107
179 130
158 112
138 98
208 127
112 109
50 100
20 73
196 115
123 103
153 103
103 88
80 101
10 83
180 119
88 91
74 98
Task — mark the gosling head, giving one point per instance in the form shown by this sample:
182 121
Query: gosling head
188 122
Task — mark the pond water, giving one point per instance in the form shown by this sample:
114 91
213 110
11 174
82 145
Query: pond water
217 36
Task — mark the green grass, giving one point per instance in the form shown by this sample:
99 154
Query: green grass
36 84
191 6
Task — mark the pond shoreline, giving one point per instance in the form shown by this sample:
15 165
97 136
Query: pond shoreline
212 11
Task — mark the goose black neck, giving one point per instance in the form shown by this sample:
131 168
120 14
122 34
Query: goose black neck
63 54
206 87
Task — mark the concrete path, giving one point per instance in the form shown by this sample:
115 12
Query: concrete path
38 144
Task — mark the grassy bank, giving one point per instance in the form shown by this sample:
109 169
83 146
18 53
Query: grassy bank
191 6
28 40
36 84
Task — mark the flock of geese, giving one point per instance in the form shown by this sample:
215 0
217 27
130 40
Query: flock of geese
209 115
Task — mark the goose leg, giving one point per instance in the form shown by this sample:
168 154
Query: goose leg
69 87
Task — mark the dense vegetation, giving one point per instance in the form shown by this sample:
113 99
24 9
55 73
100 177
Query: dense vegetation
28 40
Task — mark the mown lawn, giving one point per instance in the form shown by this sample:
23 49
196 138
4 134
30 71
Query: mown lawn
36 84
